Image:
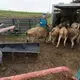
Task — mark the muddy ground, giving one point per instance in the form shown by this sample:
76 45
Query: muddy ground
49 57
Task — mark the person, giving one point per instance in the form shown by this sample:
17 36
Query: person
43 22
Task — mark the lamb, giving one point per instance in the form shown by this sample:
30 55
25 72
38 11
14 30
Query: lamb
73 34
77 26
63 33
53 34
69 32
59 31
36 33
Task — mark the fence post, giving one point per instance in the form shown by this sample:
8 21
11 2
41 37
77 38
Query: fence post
18 23
36 22
13 21
29 23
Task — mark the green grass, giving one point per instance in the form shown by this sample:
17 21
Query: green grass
18 14
49 19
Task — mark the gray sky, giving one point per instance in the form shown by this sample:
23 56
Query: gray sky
29 5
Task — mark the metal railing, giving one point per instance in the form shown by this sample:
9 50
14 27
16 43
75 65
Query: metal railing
22 24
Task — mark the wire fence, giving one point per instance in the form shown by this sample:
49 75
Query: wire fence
22 24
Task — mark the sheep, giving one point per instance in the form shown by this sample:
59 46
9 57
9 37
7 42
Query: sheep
53 34
77 26
69 32
63 33
30 34
73 34
78 38
36 33
59 31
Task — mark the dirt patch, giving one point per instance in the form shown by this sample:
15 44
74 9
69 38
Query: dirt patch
49 57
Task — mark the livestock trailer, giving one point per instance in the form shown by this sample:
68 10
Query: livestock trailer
70 11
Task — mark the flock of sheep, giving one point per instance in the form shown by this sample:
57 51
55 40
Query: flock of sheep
62 31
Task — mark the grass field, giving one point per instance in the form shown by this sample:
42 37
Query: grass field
18 14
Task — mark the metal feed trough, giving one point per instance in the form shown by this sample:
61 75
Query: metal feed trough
31 48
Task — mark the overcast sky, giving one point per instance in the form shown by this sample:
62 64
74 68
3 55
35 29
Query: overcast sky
29 5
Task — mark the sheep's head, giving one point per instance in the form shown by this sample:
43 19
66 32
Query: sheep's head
75 25
50 34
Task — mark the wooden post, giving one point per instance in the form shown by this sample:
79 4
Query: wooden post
13 21
29 23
